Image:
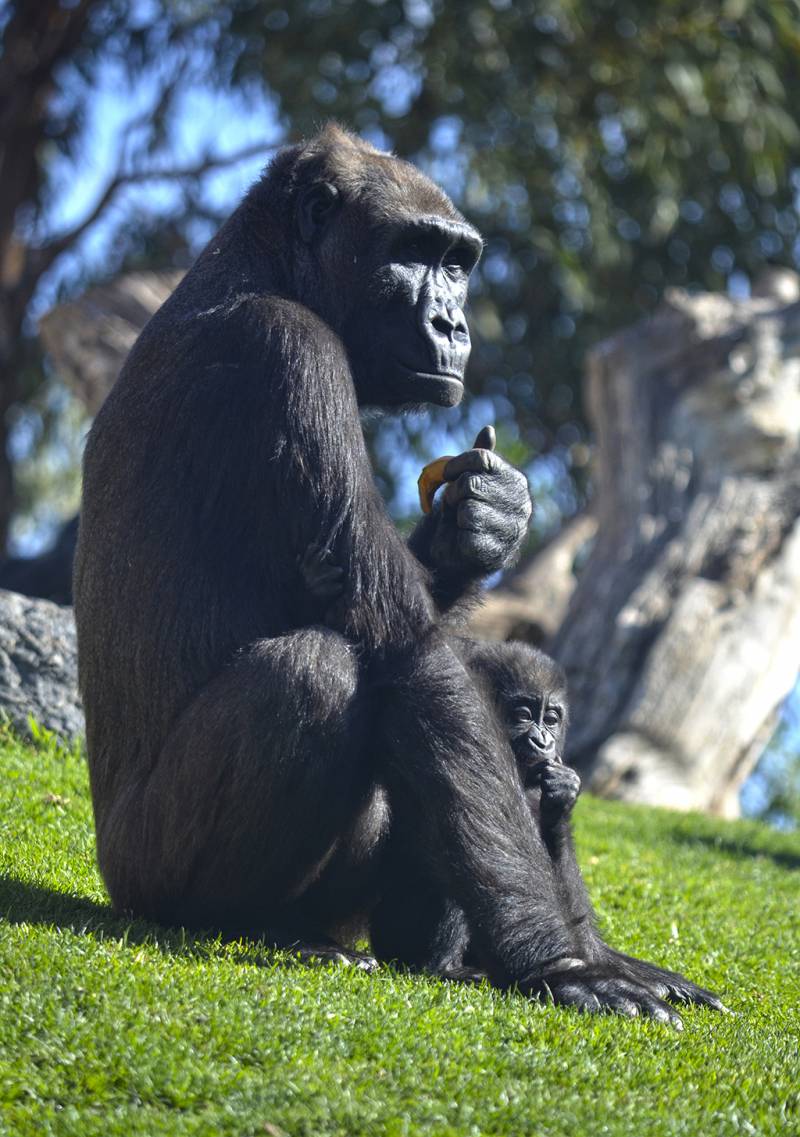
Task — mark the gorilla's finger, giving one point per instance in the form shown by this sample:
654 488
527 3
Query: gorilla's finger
478 517
486 440
473 462
648 1003
660 1011
466 485
621 1005
571 993
484 517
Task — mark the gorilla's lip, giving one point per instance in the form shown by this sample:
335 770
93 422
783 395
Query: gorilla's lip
450 376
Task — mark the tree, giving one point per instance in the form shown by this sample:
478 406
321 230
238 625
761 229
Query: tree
51 59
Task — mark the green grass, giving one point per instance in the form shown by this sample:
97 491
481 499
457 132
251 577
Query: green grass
108 1028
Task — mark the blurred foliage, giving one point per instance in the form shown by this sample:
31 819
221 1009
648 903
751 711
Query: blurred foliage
46 444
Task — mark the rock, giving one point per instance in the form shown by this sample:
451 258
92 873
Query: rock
39 666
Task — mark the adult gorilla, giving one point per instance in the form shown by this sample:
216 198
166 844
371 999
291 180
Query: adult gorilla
253 769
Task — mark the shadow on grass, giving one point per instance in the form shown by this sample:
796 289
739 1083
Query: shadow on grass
24 903
773 849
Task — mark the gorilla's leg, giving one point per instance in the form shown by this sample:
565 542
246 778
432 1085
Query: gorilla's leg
415 923
460 830
418 922
259 778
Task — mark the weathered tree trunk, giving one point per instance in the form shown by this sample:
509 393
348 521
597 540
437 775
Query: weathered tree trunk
682 635
89 338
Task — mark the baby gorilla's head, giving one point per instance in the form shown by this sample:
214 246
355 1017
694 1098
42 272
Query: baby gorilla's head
529 691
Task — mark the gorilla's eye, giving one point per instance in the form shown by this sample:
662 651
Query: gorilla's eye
460 258
522 714
552 717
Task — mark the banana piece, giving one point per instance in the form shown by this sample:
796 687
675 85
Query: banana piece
430 479
432 475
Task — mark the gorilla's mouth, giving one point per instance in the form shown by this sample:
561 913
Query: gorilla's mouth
421 373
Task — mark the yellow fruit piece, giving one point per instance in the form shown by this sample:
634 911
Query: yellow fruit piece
430 479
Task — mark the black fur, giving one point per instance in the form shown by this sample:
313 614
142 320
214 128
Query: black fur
263 761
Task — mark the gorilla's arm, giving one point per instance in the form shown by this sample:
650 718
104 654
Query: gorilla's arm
477 526
552 790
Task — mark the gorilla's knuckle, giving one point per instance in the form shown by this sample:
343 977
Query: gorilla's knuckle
472 514
477 548
488 461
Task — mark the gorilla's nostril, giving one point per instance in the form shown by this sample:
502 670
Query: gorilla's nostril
442 325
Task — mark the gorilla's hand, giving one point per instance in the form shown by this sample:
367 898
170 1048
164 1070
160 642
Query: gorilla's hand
560 788
484 511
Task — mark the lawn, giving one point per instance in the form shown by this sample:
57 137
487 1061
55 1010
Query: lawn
113 1028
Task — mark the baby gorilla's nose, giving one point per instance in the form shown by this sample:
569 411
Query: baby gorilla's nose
540 740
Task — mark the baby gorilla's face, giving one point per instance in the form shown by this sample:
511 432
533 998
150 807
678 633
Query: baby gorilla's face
537 725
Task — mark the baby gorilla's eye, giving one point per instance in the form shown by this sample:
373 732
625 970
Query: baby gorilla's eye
522 714
552 718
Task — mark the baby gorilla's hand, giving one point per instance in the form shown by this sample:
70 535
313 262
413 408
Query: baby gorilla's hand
560 787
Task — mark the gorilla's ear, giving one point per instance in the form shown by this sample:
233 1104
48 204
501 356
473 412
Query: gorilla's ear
315 206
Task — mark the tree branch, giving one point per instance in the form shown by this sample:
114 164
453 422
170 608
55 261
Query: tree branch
44 255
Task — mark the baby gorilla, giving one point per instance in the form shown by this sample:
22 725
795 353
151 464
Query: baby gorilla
528 691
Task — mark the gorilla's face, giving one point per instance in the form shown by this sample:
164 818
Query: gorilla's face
404 278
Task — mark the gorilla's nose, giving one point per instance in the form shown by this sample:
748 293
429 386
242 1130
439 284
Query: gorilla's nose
541 740
448 322
445 329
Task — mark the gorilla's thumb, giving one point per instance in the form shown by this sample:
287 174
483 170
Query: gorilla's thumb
486 440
